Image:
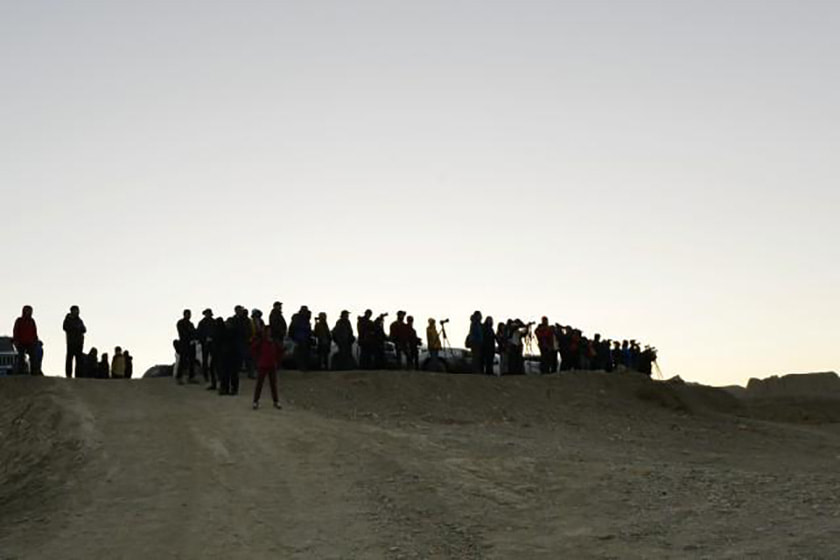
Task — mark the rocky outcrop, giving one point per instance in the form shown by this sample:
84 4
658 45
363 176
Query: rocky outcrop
811 385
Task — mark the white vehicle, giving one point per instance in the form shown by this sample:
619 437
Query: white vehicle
8 356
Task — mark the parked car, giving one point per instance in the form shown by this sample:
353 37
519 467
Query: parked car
8 356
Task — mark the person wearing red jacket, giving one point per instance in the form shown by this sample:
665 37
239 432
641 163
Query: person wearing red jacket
25 338
267 354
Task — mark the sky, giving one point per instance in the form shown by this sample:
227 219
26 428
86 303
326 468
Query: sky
660 170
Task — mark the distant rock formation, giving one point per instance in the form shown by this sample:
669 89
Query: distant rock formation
810 385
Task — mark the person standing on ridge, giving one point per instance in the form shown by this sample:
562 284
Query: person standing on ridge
129 364
204 333
364 328
75 330
118 364
186 348
324 340
397 335
342 334
433 340
413 343
277 323
267 355
25 339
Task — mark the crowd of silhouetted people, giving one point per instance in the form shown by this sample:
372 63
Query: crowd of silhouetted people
221 349
78 363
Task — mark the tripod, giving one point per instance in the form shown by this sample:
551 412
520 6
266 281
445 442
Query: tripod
444 339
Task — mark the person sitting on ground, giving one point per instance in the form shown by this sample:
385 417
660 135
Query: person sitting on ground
118 364
25 339
267 355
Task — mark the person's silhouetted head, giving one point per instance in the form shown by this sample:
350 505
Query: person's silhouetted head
277 305
544 321
322 316
400 315
187 314
431 322
488 321
345 314
104 358
117 351
368 313
409 320
27 311
208 313
74 310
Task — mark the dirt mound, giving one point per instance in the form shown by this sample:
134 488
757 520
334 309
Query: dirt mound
815 385
43 443
464 399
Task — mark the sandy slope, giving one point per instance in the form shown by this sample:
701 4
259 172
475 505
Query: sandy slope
393 465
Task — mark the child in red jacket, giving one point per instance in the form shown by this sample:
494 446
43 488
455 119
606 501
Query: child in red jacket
267 354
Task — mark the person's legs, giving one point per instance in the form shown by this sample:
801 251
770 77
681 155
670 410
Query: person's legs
68 363
272 383
205 361
234 381
258 388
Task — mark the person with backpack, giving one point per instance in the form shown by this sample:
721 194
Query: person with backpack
267 354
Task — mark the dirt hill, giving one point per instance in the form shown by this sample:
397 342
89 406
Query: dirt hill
399 465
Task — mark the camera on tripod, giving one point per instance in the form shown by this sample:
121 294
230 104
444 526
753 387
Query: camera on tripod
383 315
444 321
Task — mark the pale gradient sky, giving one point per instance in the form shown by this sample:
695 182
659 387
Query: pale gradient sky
665 171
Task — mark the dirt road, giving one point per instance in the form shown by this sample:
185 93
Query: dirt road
392 465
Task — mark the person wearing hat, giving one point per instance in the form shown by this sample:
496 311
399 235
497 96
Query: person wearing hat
342 334
398 334
324 341
204 334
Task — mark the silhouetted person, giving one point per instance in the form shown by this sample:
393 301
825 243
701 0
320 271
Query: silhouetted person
25 339
241 325
186 348
413 343
397 335
75 330
300 331
267 355
474 342
378 339
364 326
433 340
204 334
277 323
323 338
129 364
104 369
488 345
501 338
91 364
517 331
118 364
548 350
342 334
230 360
